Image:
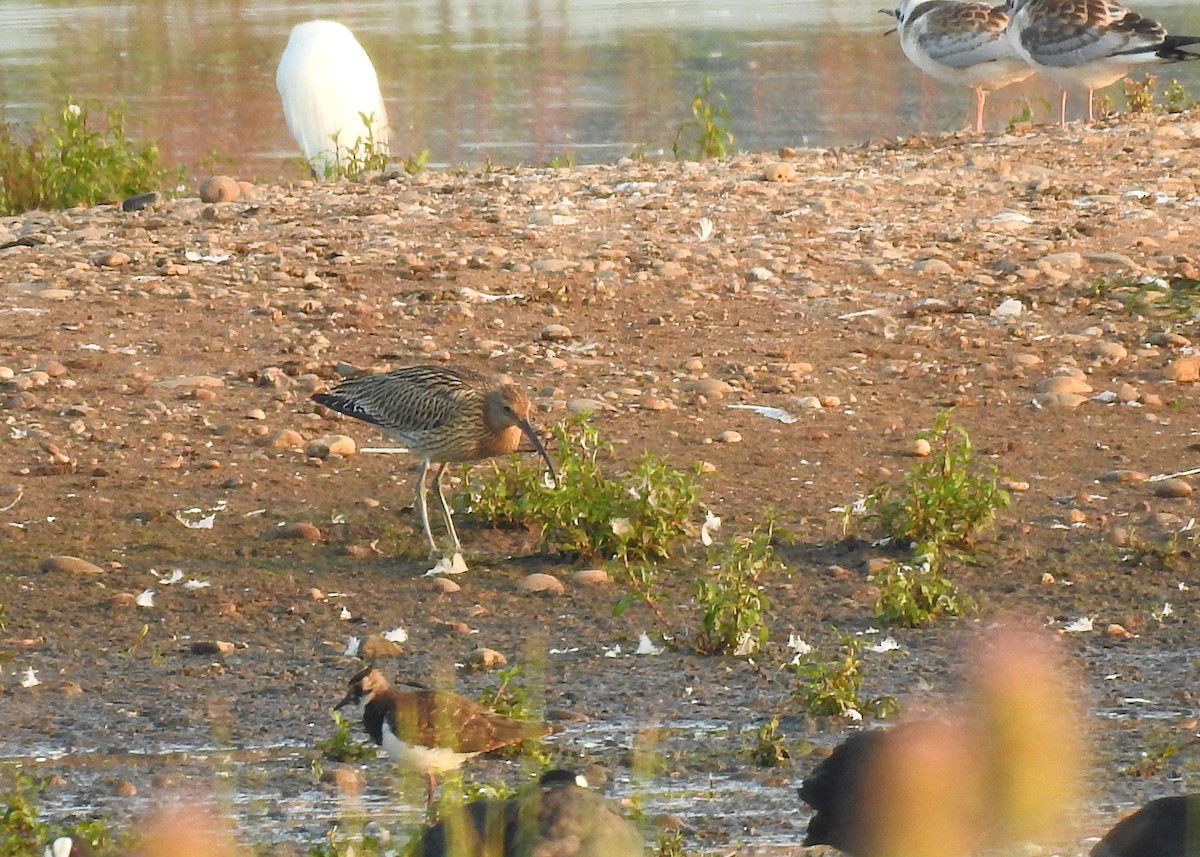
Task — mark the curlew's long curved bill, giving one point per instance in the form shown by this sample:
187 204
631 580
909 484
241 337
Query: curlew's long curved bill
528 431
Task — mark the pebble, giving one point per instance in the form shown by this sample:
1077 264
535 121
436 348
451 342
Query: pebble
345 778
1185 370
1117 632
338 445
1063 384
590 577
1109 353
555 333
219 189
211 647
780 171
190 381
1124 476
376 646
286 439
301 530
111 259
142 202
542 584
729 436
710 388
69 565
1173 488
934 267
445 585
921 448
1060 400
484 658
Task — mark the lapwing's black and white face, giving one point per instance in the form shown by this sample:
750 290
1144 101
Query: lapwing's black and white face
362 689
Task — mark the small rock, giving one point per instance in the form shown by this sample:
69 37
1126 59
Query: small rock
344 778
142 201
1185 370
69 565
485 659
542 584
1109 352
1117 632
211 647
219 189
1124 476
781 171
125 788
1173 488
729 436
376 646
190 381
590 577
1063 384
555 333
286 439
921 448
710 388
445 585
111 259
122 600
334 444
1060 400
933 267
301 530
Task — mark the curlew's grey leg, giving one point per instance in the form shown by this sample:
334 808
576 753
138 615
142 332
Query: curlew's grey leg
423 505
437 480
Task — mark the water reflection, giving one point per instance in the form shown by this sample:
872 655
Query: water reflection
511 81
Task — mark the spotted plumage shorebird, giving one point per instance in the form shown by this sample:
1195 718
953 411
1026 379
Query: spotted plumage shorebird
431 731
1089 43
961 43
442 414
559 816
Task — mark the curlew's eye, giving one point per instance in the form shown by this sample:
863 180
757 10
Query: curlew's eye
897 13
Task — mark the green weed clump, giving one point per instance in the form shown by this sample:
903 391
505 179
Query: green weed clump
769 748
633 517
350 162
945 500
512 698
830 687
342 746
733 606
67 161
22 834
709 133
915 594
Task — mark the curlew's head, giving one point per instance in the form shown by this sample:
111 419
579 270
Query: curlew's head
506 407
364 684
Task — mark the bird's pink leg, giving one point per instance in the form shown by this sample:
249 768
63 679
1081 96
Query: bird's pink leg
1091 116
980 98
1062 113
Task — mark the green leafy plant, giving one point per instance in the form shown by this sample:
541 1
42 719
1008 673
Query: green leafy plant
769 748
669 843
1139 94
367 154
1176 98
23 834
914 594
414 163
830 687
66 160
342 746
946 499
733 605
634 517
513 699
565 159
709 132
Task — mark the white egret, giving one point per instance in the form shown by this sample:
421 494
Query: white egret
328 85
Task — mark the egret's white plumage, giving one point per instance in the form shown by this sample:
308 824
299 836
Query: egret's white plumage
328 84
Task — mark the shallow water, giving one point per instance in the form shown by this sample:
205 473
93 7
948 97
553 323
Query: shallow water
514 82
